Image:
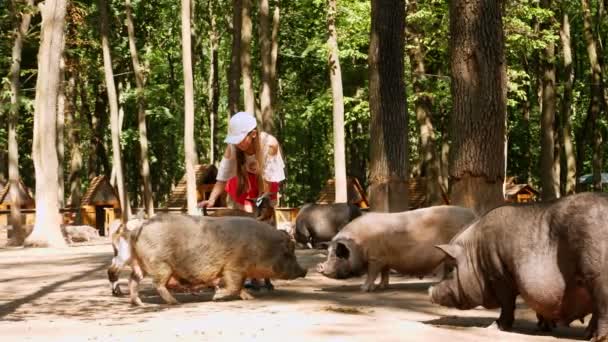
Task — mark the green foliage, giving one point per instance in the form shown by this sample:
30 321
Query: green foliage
303 110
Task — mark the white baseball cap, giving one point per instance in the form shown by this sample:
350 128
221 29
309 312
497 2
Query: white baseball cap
239 126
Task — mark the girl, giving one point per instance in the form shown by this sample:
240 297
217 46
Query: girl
252 164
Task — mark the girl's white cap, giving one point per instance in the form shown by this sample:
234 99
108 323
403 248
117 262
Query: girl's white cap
239 126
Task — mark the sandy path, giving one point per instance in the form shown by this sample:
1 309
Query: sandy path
63 294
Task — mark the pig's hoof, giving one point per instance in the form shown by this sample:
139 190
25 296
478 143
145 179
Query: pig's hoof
368 288
137 302
221 295
383 286
245 295
600 339
116 292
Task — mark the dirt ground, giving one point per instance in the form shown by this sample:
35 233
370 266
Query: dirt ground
64 295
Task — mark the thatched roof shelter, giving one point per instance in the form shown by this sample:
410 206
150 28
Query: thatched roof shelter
26 198
205 179
355 193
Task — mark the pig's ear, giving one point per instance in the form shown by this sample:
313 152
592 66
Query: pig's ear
453 251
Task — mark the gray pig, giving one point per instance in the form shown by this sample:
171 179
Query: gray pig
552 254
203 250
378 242
317 223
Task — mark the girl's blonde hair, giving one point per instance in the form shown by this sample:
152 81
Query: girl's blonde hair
241 170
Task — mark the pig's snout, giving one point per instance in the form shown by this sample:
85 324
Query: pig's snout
321 267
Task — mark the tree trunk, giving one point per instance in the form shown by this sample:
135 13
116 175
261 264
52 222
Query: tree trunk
549 181
335 76
214 84
74 143
597 101
60 131
388 190
234 72
189 146
114 120
141 115
46 230
14 219
274 52
423 109
527 109
246 28
566 103
478 125
266 53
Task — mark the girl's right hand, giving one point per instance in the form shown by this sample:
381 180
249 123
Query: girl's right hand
206 203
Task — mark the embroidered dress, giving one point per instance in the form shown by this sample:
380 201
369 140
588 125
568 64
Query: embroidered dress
273 172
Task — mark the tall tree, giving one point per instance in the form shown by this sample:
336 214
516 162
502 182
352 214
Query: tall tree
335 76
423 109
246 32
597 102
114 120
60 130
214 84
389 124
566 103
265 51
274 52
21 28
549 181
234 72
46 230
75 176
189 146
477 163
141 114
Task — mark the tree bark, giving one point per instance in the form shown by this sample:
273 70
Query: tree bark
549 181
234 72
141 114
74 143
114 120
596 103
388 189
423 109
60 130
478 125
335 76
266 53
46 232
566 104
21 29
189 146
274 52
246 29
214 84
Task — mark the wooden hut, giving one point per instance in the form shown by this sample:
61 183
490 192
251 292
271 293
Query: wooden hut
99 196
205 180
520 193
355 193
26 199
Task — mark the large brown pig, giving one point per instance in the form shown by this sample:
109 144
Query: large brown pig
552 254
202 250
377 242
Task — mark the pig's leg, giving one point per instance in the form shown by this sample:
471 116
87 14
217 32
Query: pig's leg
384 278
599 321
233 281
161 278
134 280
373 269
506 299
